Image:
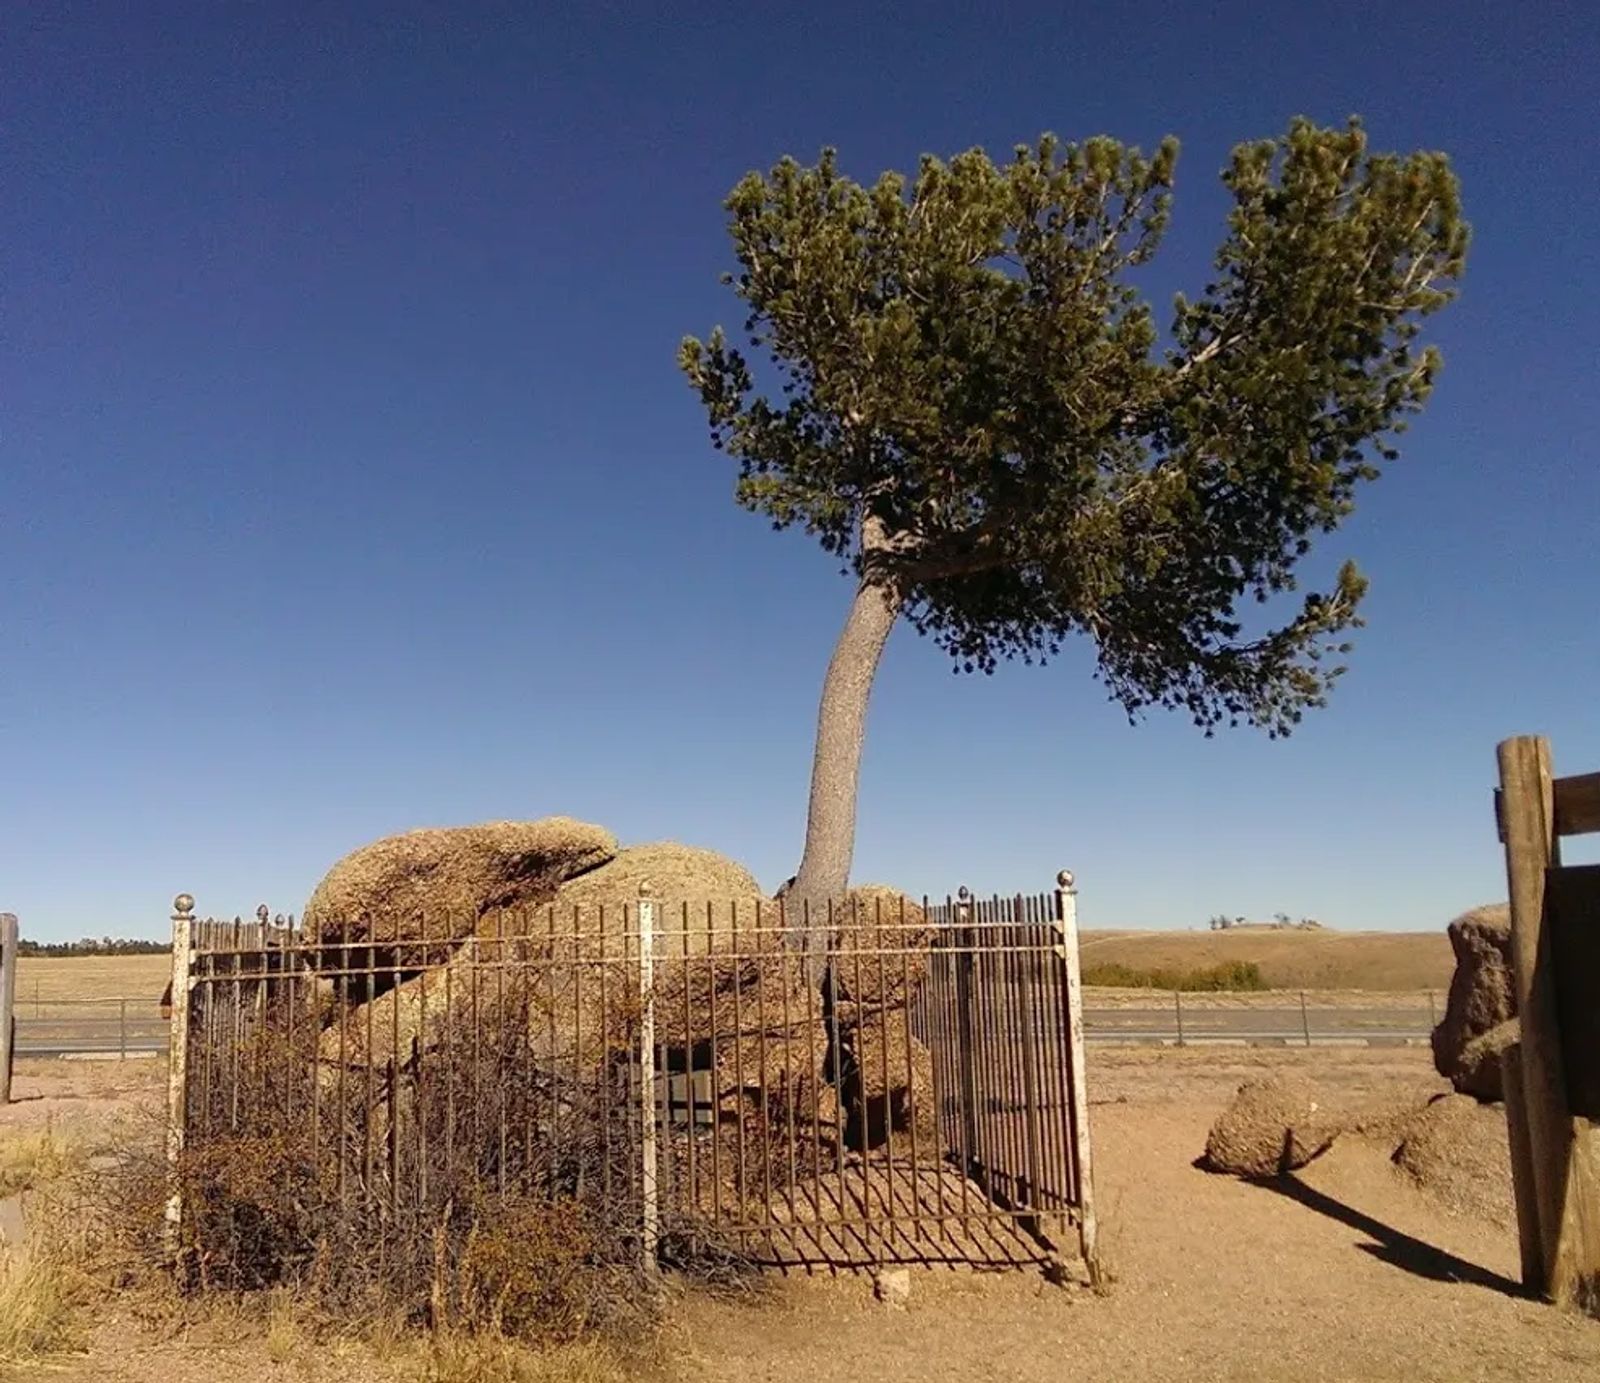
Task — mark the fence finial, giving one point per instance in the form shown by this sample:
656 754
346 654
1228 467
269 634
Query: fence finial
963 893
262 914
1064 879
645 890
183 906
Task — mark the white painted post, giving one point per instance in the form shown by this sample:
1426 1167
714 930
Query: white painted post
177 1068
8 999
650 1228
1067 920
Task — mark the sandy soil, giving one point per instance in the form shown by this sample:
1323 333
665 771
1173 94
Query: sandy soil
87 1099
1345 1271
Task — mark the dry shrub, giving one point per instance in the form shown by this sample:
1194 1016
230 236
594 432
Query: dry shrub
45 1284
40 1295
482 1191
35 1157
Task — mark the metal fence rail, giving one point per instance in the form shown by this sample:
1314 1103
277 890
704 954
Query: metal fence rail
922 1102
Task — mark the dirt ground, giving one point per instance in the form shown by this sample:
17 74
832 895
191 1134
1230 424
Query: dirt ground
1344 1271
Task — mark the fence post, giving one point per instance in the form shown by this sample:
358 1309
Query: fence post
967 1040
178 1068
122 1029
1305 1021
1088 1229
649 1214
8 1000
1177 1005
1563 1154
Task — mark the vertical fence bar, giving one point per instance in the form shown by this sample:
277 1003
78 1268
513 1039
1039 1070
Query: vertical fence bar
1305 1019
178 1070
122 1030
647 1080
966 1034
1177 1005
8 1000
1026 957
1083 1163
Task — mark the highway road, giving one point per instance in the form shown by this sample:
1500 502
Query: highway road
1152 1025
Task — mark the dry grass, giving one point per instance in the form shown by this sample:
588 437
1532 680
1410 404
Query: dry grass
44 978
41 1292
35 1157
44 1283
1321 959
1382 961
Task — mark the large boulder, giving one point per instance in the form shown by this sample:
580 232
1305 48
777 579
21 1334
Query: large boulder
1474 1030
565 961
1274 1125
429 889
1455 1149
881 941
887 1090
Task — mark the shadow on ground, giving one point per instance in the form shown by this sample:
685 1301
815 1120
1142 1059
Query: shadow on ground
1393 1246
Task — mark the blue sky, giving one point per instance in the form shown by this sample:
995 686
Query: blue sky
347 483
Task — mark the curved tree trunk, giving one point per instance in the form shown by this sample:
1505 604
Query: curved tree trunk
824 871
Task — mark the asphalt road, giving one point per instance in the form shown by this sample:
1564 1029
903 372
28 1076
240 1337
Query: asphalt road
1155 1025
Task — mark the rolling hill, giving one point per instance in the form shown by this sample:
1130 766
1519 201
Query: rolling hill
1289 959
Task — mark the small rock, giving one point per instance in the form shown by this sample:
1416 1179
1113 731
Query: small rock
892 1286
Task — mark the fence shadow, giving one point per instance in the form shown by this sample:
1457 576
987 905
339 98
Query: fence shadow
1394 1246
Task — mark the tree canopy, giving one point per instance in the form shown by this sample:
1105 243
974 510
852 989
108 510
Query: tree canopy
974 408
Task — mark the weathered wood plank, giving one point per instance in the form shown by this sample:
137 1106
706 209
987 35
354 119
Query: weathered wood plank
8 997
1577 806
1566 1185
1522 1179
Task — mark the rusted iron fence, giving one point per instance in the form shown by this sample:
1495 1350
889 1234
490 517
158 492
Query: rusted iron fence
924 1102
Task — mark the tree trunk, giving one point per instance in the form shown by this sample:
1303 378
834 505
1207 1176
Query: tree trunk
824 872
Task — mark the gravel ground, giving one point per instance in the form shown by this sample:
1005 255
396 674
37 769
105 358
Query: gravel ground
1346 1271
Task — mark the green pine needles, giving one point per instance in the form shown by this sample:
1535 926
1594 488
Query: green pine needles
973 409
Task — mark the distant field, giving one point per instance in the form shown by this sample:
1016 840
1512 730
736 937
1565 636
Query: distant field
1385 961
1388 961
41 979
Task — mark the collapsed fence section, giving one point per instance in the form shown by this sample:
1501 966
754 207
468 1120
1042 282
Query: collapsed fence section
679 1067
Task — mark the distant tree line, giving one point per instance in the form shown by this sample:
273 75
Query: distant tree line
91 946
1222 922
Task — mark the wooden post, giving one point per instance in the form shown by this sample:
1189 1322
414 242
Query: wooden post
178 1068
1088 1228
8 1000
1305 1021
1177 1008
649 1213
1564 1158
1522 1182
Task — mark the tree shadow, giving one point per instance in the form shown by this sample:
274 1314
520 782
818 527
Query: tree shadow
1392 1246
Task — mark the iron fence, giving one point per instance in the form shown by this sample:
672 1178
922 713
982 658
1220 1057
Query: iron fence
922 1102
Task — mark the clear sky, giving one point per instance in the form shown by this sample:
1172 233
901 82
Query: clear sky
347 483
